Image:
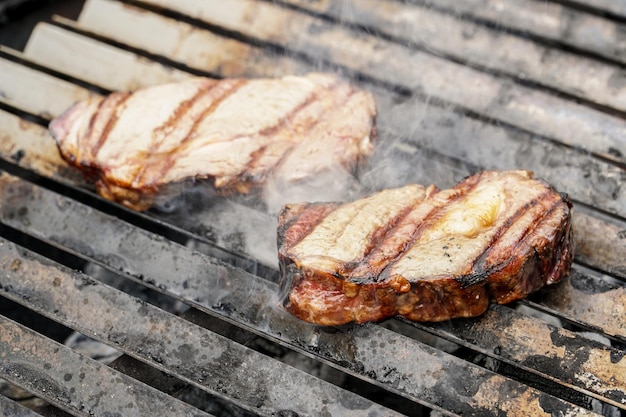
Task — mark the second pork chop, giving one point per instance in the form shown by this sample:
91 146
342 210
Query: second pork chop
424 254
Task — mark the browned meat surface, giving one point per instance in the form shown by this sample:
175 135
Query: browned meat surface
424 254
235 132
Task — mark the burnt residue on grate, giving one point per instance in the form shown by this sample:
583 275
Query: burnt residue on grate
553 353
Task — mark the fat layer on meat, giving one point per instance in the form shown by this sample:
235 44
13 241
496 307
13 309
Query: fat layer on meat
235 132
422 253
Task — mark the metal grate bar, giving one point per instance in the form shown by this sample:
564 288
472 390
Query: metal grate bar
604 244
74 382
45 105
59 57
220 53
29 144
493 147
553 353
578 303
9 407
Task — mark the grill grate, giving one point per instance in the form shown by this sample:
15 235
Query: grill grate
498 85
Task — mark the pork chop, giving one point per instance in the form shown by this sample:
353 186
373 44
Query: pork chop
235 132
422 253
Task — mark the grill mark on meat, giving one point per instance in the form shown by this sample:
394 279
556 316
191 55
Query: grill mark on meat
183 108
553 262
214 105
366 270
306 216
172 123
286 155
462 190
378 238
268 131
168 161
357 273
88 135
282 123
110 123
556 203
479 269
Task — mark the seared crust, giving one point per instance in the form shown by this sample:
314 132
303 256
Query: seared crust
235 133
443 254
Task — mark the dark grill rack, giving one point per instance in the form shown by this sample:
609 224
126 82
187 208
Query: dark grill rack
461 86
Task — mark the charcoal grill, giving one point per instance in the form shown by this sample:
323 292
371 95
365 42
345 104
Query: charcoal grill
461 86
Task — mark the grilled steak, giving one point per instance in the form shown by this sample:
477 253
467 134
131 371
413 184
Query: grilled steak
235 132
422 253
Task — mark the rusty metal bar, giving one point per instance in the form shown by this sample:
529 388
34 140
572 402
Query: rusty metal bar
74 382
530 109
193 46
59 57
197 47
553 353
211 362
587 299
11 408
600 241
252 302
30 145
